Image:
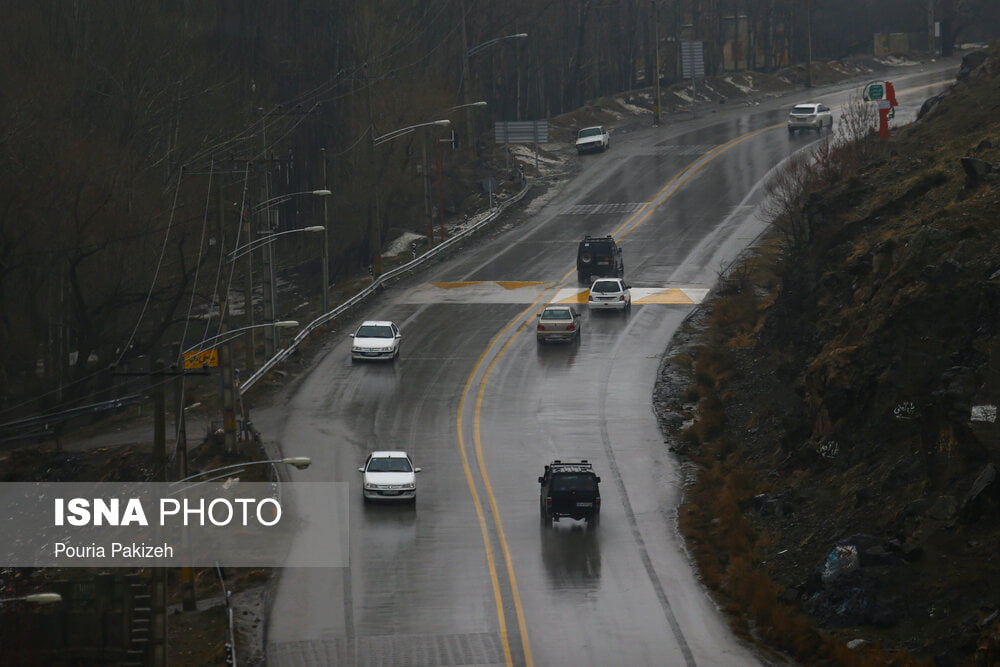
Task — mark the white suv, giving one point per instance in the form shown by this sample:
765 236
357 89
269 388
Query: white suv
389 475
809 116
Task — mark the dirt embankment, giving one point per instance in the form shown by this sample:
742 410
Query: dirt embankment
838 394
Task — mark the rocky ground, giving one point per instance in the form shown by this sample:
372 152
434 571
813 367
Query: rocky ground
840 391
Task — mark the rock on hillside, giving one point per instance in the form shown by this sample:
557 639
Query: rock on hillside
856 398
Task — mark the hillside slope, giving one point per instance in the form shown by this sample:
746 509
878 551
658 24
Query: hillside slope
838 394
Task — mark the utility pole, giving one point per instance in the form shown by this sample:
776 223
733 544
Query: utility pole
250 351
326 241
466 82
158 633
373 218
427 194
656 65
809 44
440 190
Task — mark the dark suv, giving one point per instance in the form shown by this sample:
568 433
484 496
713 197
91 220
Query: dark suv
599 256
569 488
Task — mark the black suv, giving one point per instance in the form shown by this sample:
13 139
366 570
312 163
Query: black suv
569 488
599 256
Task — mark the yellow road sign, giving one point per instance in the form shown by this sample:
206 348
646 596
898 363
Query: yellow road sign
201 358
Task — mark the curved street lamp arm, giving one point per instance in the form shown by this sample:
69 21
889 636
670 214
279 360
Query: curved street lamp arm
264 240
226 336
406 130
485 45
299 462
282 198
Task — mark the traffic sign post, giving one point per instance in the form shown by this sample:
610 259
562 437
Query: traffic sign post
884 93
874 92
201 358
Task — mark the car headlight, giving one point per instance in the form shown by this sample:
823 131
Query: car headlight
411 485
370 486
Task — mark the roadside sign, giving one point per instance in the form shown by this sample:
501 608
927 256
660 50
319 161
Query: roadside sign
521 132
874 91
201 358
692 60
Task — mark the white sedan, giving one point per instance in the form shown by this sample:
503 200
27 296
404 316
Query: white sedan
610 294
376 339
389 475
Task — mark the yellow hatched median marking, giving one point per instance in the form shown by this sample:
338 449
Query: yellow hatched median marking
458 284
576 298
518 284
670 296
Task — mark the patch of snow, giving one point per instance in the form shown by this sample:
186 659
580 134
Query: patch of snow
631 108
402 244
896 61
732 82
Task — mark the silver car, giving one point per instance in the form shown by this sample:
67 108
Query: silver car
558 323
809 116
610 294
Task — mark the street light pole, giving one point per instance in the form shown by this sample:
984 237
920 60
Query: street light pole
268 288
389 136
326 242
467 81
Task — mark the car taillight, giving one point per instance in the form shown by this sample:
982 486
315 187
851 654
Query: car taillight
590 297
621 298
570 327
541 328
548 502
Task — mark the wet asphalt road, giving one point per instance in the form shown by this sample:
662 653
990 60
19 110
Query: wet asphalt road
470 576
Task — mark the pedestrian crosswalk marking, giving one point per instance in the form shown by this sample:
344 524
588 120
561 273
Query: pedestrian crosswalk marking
527 291
506 284
643 296
595 209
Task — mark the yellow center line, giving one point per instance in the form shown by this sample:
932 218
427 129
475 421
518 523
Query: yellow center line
629 226
484 530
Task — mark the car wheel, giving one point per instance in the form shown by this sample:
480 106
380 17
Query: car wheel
581 277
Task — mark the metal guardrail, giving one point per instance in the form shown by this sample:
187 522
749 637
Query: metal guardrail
381 281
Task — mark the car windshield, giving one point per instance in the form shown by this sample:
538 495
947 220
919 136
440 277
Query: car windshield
804 110
556 314
389 464
606 286
570 482
590 132
374 331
